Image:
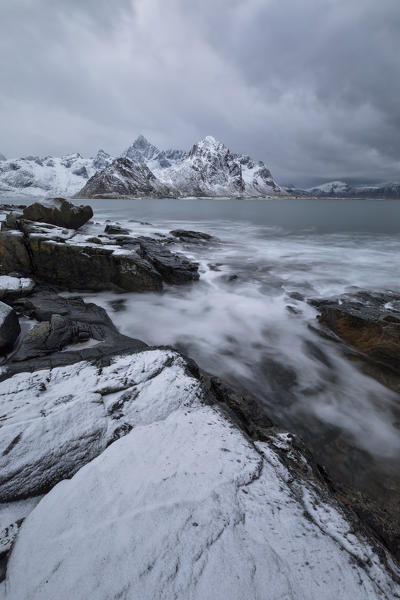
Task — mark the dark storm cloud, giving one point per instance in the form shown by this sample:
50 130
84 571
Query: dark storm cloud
311 86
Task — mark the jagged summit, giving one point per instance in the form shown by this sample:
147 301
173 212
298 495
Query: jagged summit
208 169
141 150
102 159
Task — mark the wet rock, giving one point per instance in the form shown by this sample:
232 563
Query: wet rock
60 212
64 322
174 268
370 323
9 328
114 229
12 287
49 336
191 236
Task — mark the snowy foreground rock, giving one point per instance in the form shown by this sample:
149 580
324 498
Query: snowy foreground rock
159 494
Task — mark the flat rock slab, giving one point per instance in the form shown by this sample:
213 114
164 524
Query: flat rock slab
182 506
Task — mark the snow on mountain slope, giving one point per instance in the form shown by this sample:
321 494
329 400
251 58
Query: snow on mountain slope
331 188
123 178
211 169
345 190
50 175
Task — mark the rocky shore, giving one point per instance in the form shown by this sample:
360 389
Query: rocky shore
127 471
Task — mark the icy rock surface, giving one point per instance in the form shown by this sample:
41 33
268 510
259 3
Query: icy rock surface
184 506
54 421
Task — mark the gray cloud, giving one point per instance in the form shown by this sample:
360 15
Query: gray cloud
311 87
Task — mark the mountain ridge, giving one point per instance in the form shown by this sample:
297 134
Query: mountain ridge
208 169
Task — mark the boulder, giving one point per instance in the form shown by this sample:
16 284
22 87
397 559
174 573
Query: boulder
9 328
58 211
174 268
12 287
113 229
191 236
69 330
49 336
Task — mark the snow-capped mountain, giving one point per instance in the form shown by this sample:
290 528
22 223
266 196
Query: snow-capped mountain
2 157
208 169
124 177
50 175
341 189
331 188
102 160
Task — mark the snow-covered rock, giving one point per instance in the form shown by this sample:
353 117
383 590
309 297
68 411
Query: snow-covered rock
183 506
56 421
15 287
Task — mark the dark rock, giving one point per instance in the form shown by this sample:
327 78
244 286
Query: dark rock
46 337
116 230
76 266
370 323
11 221
4 207
14 255
173 267
65 321
9 328
191 236
60 212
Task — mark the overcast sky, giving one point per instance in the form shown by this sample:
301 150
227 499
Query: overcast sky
310 86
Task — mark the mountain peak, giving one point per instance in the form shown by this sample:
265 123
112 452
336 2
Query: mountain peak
141 150
208 145
2 157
